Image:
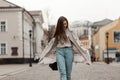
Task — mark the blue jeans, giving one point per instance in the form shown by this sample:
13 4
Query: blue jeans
64 58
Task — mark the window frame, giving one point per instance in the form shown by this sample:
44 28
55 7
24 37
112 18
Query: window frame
114 36
5 48
5 25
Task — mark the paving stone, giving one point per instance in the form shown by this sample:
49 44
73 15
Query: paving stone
96 71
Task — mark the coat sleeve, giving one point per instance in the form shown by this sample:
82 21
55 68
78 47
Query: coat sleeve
47 49
84 52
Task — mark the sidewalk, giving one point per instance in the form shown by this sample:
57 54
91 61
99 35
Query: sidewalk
11 69
99 69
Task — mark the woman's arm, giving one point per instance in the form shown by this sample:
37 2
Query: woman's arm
85 52
47 49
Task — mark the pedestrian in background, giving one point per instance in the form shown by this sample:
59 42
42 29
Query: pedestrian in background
64 42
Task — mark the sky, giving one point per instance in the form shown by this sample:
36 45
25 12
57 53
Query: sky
92 10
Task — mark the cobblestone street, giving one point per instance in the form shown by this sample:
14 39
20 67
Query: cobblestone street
96 71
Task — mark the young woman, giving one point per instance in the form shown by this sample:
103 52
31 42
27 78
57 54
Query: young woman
62 43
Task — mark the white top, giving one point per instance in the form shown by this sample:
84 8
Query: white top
64 44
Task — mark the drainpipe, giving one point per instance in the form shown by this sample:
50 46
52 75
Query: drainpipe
34 46
23 35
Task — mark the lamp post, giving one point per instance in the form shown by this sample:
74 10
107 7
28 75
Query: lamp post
107 36
30 34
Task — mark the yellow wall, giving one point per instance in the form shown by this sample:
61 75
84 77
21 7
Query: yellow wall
111 42
100 38
96 44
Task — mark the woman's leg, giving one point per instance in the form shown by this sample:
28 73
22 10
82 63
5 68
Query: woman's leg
61 63
68 61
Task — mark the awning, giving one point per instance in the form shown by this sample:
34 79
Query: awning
112 49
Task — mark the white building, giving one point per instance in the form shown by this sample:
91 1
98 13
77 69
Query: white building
81 29
15 23
38 31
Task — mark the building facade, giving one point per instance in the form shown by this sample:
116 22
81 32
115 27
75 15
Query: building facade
15 23
83 31
38 32
99 40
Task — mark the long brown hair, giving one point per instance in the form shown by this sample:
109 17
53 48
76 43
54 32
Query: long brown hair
59 33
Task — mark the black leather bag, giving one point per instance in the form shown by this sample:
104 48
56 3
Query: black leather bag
53 66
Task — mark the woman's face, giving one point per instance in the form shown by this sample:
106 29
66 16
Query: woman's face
65 24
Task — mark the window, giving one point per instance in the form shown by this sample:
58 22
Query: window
2 26
116 36
85 32
14 51
2 48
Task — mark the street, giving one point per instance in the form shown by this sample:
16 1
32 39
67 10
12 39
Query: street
96 71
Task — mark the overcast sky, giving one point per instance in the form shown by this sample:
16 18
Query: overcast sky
92 10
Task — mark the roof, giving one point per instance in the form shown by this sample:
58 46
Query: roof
102 22
84 37
4 4
7 4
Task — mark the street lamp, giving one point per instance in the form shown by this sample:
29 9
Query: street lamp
107 36
30 34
